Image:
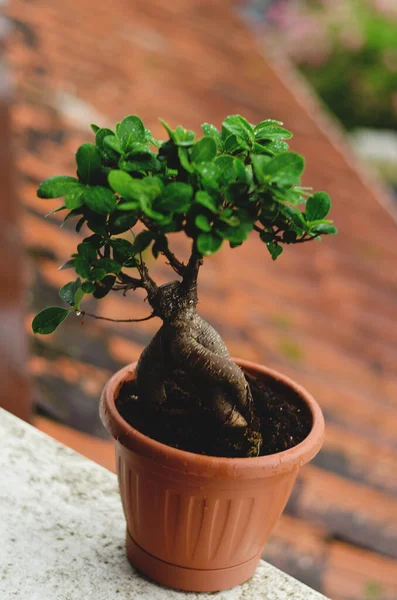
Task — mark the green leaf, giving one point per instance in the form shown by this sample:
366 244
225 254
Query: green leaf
276 147
259 163
119 223
58 186
208 243
97 274
131 130
177 197
129 206
168 129
82 267
122 250
69 292
95 241
108 265
184 159
100 136
100 199
206 200
160 245
225 163
268 123
75 198
238 126
87 250
294 215
235 235
94 127
96 222
318 206
211 131
202 222
69 264
48 319
103 287
204 150
274 249
56 210
142 241
88 287
285 169
231 220
210 175
142 164
271 132
89 163
235 145
324 228
113 143
240 170
125 185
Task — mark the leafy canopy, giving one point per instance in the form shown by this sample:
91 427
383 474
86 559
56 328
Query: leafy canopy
217 190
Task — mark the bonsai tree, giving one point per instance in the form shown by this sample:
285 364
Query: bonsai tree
133 192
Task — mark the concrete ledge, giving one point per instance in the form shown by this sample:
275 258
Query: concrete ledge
62 531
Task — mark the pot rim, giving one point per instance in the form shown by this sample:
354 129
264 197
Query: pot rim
213 466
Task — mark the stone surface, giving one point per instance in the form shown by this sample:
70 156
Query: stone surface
62 531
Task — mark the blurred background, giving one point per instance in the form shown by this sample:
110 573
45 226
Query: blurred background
324 314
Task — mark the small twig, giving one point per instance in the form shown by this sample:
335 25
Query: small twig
86 314
307 239
131 282
178 266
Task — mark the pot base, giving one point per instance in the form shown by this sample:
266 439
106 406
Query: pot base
183 578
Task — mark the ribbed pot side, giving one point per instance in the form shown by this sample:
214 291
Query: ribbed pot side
196 522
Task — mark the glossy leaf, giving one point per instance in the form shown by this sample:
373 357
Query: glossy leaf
324 228
211 131
208 243
177 197
202 222
274 249
100 199
57 187
49 319
238 126
318 206
89 163
206 200
70 292
203 151
285 169
131 130
142 241
75 198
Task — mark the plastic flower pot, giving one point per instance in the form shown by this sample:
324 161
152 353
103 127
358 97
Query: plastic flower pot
195 522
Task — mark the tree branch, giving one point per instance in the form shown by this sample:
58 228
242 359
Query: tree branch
305 238
192 269
131 282
147 282
84 314
178 266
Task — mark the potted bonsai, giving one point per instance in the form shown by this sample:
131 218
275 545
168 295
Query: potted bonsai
208 448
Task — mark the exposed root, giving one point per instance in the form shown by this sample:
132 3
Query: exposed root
192 346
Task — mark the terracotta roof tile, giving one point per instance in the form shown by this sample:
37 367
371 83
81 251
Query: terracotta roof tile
325 315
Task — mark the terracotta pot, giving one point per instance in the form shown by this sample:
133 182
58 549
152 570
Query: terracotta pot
196 522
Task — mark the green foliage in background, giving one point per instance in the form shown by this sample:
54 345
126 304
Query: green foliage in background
347 49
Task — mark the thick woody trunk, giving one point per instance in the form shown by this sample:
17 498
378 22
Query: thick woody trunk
188 349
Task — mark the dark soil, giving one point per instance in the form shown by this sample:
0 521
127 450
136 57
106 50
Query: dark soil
281 421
